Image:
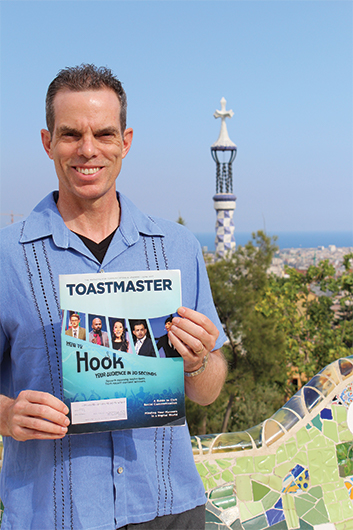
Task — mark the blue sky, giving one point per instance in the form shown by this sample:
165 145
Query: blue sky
284 67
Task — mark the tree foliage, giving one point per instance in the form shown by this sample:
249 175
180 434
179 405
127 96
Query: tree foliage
315 334
256 342
272 324
181 220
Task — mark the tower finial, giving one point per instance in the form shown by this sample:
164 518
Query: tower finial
223 138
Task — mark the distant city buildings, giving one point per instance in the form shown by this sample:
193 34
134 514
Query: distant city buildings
300 258
303 258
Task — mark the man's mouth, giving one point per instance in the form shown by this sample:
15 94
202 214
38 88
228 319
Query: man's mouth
87 170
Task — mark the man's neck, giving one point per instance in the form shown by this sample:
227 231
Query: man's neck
94 219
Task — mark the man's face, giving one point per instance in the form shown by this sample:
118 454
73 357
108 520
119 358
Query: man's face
97 325
87 145
139 331
75 322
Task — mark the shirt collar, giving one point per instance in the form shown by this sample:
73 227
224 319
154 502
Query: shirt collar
45 220
133 222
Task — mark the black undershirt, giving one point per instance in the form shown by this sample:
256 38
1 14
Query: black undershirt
98 250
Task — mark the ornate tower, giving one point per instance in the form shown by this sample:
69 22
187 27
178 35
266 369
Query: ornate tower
224 200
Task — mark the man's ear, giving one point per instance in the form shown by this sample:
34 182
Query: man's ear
128 134
46 141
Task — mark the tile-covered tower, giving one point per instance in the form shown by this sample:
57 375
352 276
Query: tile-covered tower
224 200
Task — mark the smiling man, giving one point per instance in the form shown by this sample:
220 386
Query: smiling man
143 344
142 477
87 144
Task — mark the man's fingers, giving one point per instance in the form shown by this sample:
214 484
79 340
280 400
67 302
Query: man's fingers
38 415
194 336
195 330
39 405
44 398
195 345
21 434
41 425
199 319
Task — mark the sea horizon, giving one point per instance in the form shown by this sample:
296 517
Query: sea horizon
301 239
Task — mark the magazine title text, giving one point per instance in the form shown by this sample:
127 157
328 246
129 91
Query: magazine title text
113 287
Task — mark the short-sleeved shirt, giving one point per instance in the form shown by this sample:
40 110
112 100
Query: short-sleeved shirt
88 481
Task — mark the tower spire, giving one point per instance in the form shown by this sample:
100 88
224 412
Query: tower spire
224 200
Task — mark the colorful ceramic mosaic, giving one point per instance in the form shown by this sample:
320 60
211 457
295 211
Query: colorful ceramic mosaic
293 471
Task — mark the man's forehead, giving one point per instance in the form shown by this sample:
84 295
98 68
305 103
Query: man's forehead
77 105
65 94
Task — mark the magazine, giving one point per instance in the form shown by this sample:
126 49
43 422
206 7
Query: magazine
120 370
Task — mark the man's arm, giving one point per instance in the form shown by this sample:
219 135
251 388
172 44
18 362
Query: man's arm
33 415
194 336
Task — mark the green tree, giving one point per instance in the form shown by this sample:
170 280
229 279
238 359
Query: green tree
345 321
303 304
256 343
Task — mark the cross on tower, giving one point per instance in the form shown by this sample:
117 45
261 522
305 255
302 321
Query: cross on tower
223 139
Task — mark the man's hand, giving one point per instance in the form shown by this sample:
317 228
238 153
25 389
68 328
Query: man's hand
33 415
194 336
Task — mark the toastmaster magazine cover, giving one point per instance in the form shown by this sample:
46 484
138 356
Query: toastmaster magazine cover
120 370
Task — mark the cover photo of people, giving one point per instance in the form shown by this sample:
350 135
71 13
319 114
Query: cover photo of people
145 337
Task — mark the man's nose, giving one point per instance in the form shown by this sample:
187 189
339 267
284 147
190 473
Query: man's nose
87 146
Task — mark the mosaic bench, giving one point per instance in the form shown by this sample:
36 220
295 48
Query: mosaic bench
294 470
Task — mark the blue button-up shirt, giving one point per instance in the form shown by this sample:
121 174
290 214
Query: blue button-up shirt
89 481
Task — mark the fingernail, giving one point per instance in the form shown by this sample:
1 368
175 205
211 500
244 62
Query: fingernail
176 321
181 311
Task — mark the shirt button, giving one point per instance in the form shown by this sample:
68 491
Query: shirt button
120 470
